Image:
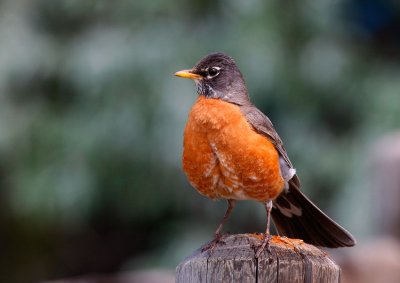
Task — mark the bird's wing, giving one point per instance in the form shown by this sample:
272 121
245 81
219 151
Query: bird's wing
263 125
294 215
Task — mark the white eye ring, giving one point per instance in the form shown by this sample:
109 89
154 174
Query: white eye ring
212 72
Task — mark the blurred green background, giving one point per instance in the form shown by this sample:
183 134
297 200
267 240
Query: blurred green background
91 121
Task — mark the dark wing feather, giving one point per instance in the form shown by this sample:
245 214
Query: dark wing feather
311 225
263 125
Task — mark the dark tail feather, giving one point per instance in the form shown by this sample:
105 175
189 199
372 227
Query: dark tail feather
295 216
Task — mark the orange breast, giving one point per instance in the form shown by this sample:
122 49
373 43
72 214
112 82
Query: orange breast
224 157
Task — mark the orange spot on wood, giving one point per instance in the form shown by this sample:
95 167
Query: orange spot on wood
281 241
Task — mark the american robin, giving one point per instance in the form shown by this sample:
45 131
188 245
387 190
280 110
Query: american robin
232 151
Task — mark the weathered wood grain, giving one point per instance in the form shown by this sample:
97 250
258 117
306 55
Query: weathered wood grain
287 261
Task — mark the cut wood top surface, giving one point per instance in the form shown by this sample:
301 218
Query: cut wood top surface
287 260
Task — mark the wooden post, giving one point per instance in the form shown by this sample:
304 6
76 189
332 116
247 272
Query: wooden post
289 261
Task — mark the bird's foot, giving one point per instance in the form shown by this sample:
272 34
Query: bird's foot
218 239
264 245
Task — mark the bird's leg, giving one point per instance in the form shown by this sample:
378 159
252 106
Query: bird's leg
218 235
231 205
267 235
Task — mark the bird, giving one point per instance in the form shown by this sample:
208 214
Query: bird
232 151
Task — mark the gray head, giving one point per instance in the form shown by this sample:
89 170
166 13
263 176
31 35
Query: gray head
217 76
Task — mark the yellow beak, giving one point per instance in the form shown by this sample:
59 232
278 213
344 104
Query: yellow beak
187 74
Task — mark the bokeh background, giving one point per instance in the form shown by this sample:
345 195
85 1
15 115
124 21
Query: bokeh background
91 124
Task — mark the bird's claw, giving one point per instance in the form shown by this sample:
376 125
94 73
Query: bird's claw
264 245
218 239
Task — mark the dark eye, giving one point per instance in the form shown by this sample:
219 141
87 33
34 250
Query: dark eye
213 71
